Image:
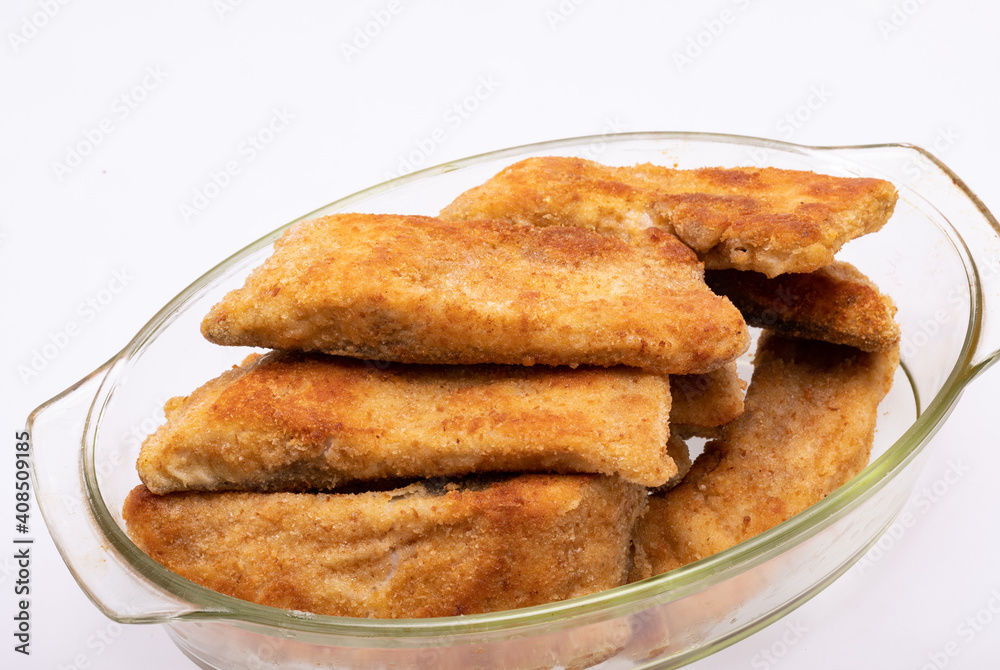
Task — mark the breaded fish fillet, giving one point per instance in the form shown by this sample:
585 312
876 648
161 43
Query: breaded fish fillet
836 304
292 421
806 429
679 453
702 403
763 219
411 552
420 290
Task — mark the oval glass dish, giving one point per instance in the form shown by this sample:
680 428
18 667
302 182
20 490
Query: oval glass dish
938 258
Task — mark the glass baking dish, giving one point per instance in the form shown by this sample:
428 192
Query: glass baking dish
938 258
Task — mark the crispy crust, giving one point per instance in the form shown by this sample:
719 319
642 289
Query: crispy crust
421 290
678 450
410 552
558 191
763 219
835 304
702 403
807 428
291 421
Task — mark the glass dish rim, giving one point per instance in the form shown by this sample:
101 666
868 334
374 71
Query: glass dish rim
211 605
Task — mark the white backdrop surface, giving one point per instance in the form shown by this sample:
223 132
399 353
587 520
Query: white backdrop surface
117 118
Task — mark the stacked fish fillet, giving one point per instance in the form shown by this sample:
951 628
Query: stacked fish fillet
487 409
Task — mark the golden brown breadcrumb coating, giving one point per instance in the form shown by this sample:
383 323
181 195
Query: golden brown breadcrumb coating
702 403
836 304
292 421
807 428
420 290
763 219
678 451
411 552
462 414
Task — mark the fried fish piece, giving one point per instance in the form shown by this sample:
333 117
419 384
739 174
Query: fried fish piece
807 428
764 219
420 290
293 421
419 551
836 303
679 453
700 404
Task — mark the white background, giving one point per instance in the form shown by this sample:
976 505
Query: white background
199 77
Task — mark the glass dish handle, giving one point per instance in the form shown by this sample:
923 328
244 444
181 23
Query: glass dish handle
57 429
916 171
